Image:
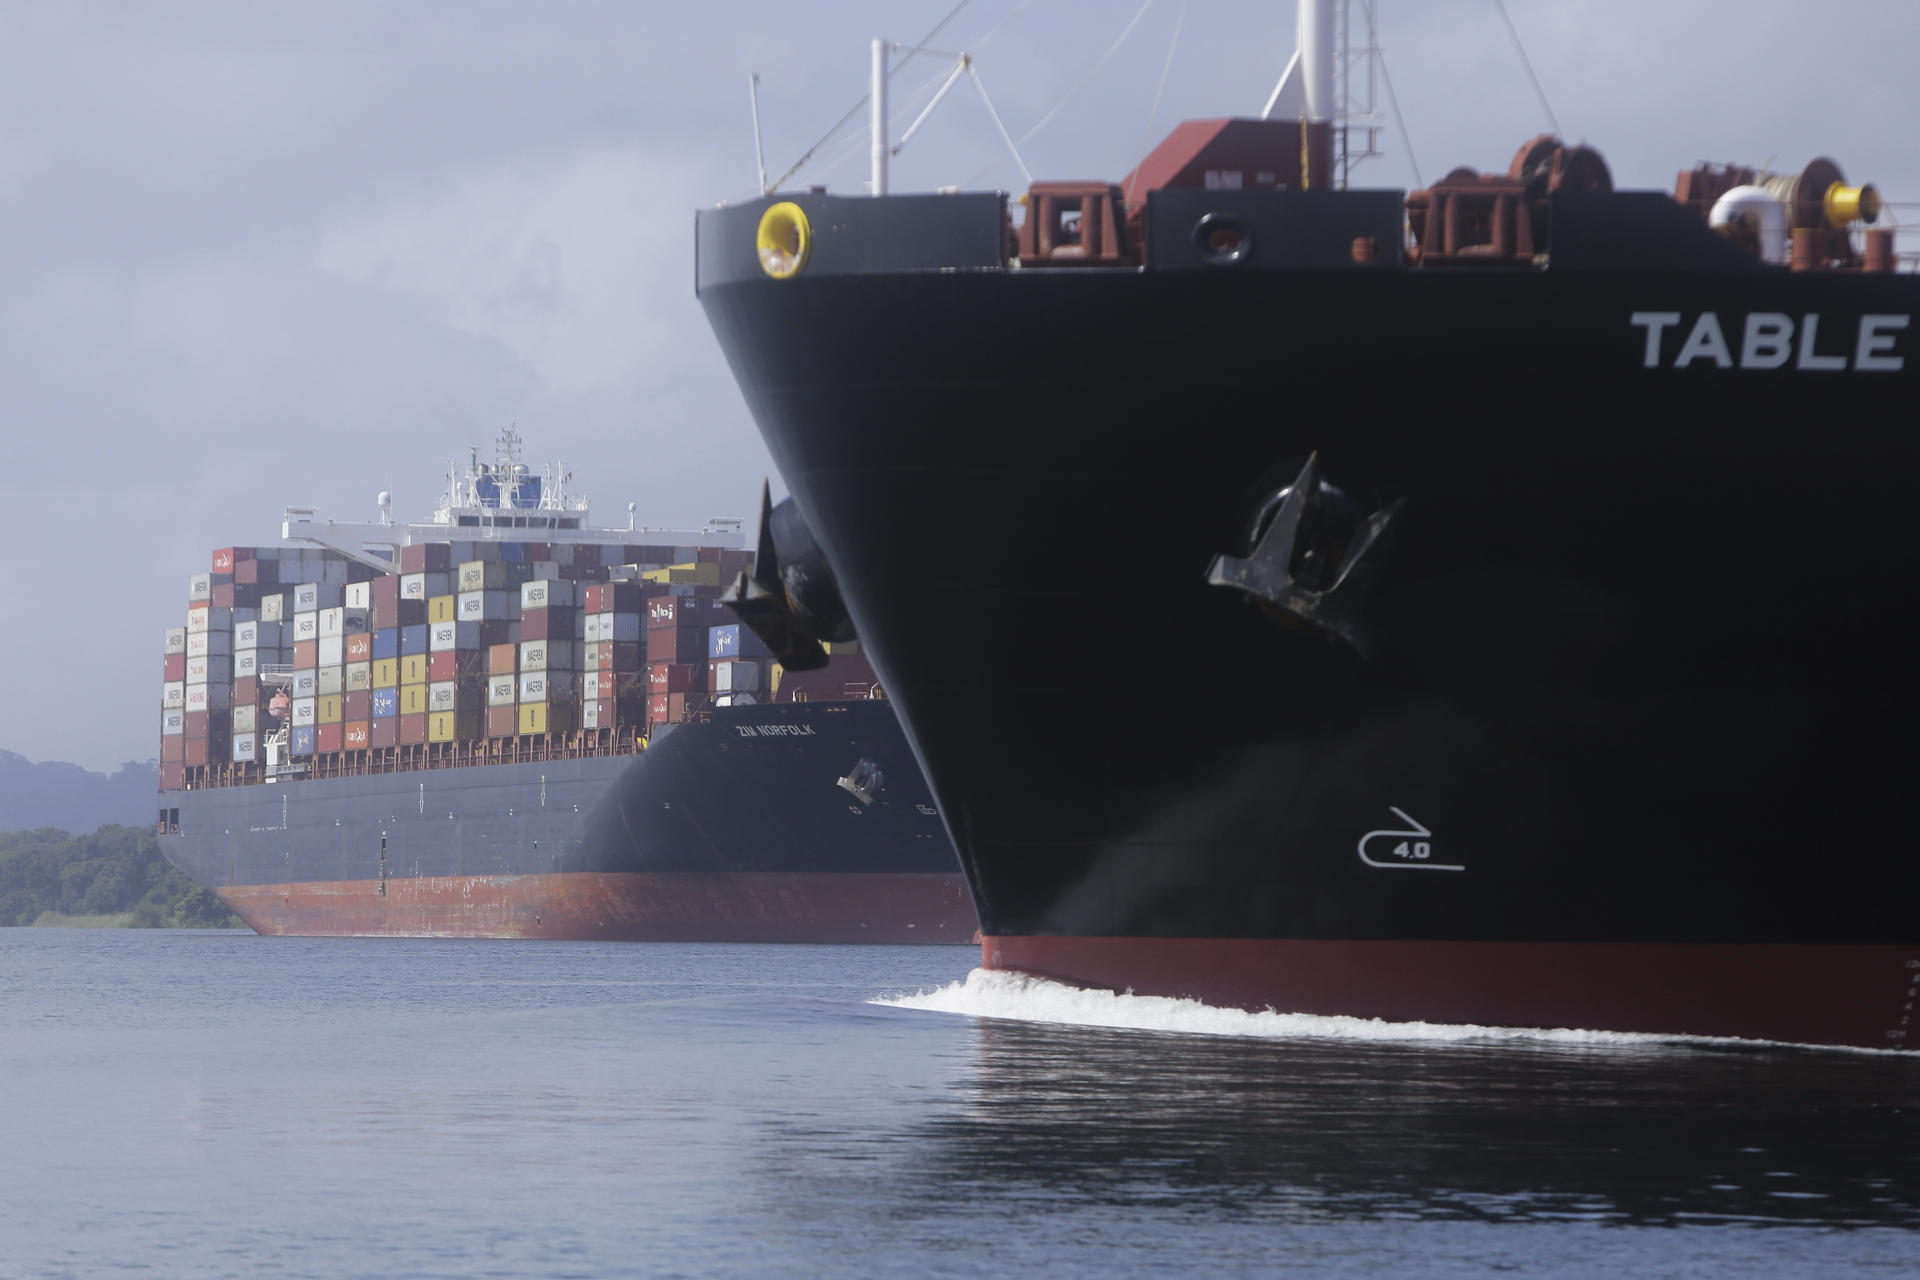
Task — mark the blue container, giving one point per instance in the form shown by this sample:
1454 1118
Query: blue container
513 552
734 641
386 703
386 642
413 639
300 741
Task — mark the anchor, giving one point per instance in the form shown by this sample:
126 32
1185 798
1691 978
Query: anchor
864 781
1293 567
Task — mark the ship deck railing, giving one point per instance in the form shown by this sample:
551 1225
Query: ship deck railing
412 758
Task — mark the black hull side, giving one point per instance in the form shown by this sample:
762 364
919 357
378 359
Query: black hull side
1644 632
743 807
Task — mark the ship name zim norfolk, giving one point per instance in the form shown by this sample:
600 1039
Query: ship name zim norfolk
1547 550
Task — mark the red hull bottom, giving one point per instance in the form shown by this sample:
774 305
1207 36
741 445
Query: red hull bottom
1803 994
889 908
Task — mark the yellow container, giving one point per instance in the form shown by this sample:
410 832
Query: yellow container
326 708
845 646
699 574
653 575
413 669
547 717
774 686
386 673
453 726
413 699
441 609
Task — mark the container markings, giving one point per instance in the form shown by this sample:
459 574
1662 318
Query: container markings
1414 850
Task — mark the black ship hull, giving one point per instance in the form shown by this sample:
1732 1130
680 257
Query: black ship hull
1632 704
729 830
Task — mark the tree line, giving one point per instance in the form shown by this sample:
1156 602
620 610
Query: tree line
115 870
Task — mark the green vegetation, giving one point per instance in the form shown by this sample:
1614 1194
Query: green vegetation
112 878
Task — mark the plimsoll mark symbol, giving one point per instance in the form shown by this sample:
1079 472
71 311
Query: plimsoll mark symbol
1412 849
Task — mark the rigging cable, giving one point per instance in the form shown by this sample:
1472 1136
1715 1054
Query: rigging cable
1393 100
860 106
1146 135
1073 92
1527 62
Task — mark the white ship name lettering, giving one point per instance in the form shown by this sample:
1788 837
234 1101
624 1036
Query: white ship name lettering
1767 340
774 730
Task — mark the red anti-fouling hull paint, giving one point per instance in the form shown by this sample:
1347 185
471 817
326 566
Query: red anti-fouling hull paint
623 907
1802 994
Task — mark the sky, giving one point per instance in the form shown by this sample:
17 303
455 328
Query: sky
258 256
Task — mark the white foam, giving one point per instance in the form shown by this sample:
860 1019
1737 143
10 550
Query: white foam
1022 998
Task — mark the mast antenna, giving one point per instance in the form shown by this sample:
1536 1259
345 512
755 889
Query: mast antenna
759 151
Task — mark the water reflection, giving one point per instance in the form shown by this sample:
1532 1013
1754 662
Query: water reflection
1651 1135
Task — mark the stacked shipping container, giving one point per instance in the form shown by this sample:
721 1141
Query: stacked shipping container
466 643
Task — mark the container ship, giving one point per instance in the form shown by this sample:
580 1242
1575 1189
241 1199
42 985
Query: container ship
504 722
1546 547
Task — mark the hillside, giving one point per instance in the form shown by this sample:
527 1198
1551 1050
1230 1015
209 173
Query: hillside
73 799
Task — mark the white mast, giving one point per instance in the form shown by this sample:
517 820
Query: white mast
1305 91
877 117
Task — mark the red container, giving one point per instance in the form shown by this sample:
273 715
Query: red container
673 677
603 710
386 589
458 664
549 624
327 737
223 596
355 734
224 558
665 612
686 644
173 777
502 659
306 653
174 667
198 751
426 557
246 691
360 647
413 729
621 657
666 708
173 748
198 724
591 602
503 722
357 705
384 733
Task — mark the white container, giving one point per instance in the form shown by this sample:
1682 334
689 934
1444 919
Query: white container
246 662
413 586
547 593
358 595
533 655
200 587
502 691
590 715
246 718
246 635
306 599
484 606
590 687
442 636
329 680
173 695
273 608
209 697
358 676
592 630
210 670
173 722
533 686
722 676
306 682
245 747
306 626
304 711
330 622
442 695
174 641
198 643
331 650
